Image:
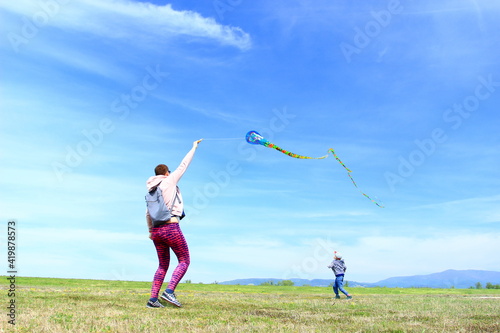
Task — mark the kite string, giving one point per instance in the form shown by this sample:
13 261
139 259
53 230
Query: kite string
220 139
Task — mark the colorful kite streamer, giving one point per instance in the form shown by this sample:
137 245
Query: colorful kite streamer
253 137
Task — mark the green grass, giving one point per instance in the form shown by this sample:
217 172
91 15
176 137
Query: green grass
67 305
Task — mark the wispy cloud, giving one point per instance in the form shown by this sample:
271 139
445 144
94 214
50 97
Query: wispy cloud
92 63
207 111
463 202
142 23
437 253
66 251
479 210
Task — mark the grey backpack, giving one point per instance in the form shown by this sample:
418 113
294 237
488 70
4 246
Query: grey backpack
157 208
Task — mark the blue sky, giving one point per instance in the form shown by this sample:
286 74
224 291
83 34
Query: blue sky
95 94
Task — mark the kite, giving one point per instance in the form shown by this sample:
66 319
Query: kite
254 138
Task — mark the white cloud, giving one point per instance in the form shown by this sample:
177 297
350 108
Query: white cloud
85 253
136 22
91 198
377 258
78 236
370 259
88 253
458 203
472 210
93 63
206 111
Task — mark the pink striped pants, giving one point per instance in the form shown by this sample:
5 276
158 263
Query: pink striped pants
166 237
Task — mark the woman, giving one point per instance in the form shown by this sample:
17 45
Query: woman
168 234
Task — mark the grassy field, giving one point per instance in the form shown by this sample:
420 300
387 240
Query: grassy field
67 305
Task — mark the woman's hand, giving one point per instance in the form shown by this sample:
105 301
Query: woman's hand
195 144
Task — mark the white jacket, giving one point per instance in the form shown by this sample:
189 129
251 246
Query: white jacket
169 187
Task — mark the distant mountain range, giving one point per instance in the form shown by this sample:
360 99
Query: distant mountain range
447 279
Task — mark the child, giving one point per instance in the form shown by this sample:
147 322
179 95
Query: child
338 267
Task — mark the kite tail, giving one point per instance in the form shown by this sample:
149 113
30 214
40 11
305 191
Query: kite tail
255 138
352 179
286 152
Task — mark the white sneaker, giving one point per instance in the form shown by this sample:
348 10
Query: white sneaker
170 297
156 304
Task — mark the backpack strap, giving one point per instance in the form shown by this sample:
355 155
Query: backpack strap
173 199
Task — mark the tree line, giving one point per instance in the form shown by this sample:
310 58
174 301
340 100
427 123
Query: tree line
489 285
288 283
